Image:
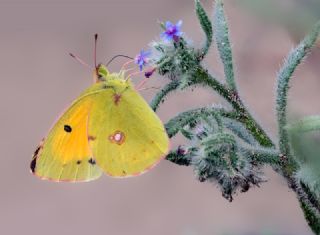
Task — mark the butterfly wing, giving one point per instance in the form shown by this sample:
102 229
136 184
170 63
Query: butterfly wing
128 138
65 154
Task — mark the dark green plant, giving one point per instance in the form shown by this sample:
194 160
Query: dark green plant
227 145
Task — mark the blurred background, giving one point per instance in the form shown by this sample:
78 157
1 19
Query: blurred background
39 79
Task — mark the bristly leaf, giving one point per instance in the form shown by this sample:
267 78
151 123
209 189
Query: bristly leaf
304 141
292 61
221 34
206 26
306 124
181 156
261 155
176 124
240 130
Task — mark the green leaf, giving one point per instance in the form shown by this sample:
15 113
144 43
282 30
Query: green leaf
221 34
240 130
261 155
305 146
311 123
310 175
206 26
180 157
291 63
176 124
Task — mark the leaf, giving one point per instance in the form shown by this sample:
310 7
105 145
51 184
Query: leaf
289 66
221 34
206 25
310 123
240 130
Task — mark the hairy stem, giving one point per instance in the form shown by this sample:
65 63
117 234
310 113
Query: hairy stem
201 76
310 206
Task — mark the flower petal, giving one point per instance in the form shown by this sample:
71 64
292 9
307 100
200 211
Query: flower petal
169 24
179 24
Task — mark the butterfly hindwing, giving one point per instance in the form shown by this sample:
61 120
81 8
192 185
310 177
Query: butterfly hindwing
65 154
127 136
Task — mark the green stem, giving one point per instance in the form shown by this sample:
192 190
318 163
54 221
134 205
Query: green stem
201 76
309 204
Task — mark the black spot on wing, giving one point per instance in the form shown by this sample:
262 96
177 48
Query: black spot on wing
92 161
67 128
36 153
33 164
78 162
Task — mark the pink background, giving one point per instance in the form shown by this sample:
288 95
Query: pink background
38 79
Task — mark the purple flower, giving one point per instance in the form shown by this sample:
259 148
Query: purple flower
172 32
142 58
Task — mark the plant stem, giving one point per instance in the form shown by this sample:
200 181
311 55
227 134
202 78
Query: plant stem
201 76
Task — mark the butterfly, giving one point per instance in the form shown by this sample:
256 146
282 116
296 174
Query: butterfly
109 128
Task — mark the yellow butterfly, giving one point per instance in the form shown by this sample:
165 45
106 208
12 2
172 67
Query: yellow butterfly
110 128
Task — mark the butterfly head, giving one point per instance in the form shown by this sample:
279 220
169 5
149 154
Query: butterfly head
102 74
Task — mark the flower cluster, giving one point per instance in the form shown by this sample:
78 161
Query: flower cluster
171 35
217 156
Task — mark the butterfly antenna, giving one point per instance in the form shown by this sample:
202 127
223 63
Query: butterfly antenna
116 56
80 60
95 49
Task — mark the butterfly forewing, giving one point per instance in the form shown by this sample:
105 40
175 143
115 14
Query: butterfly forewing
65 154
